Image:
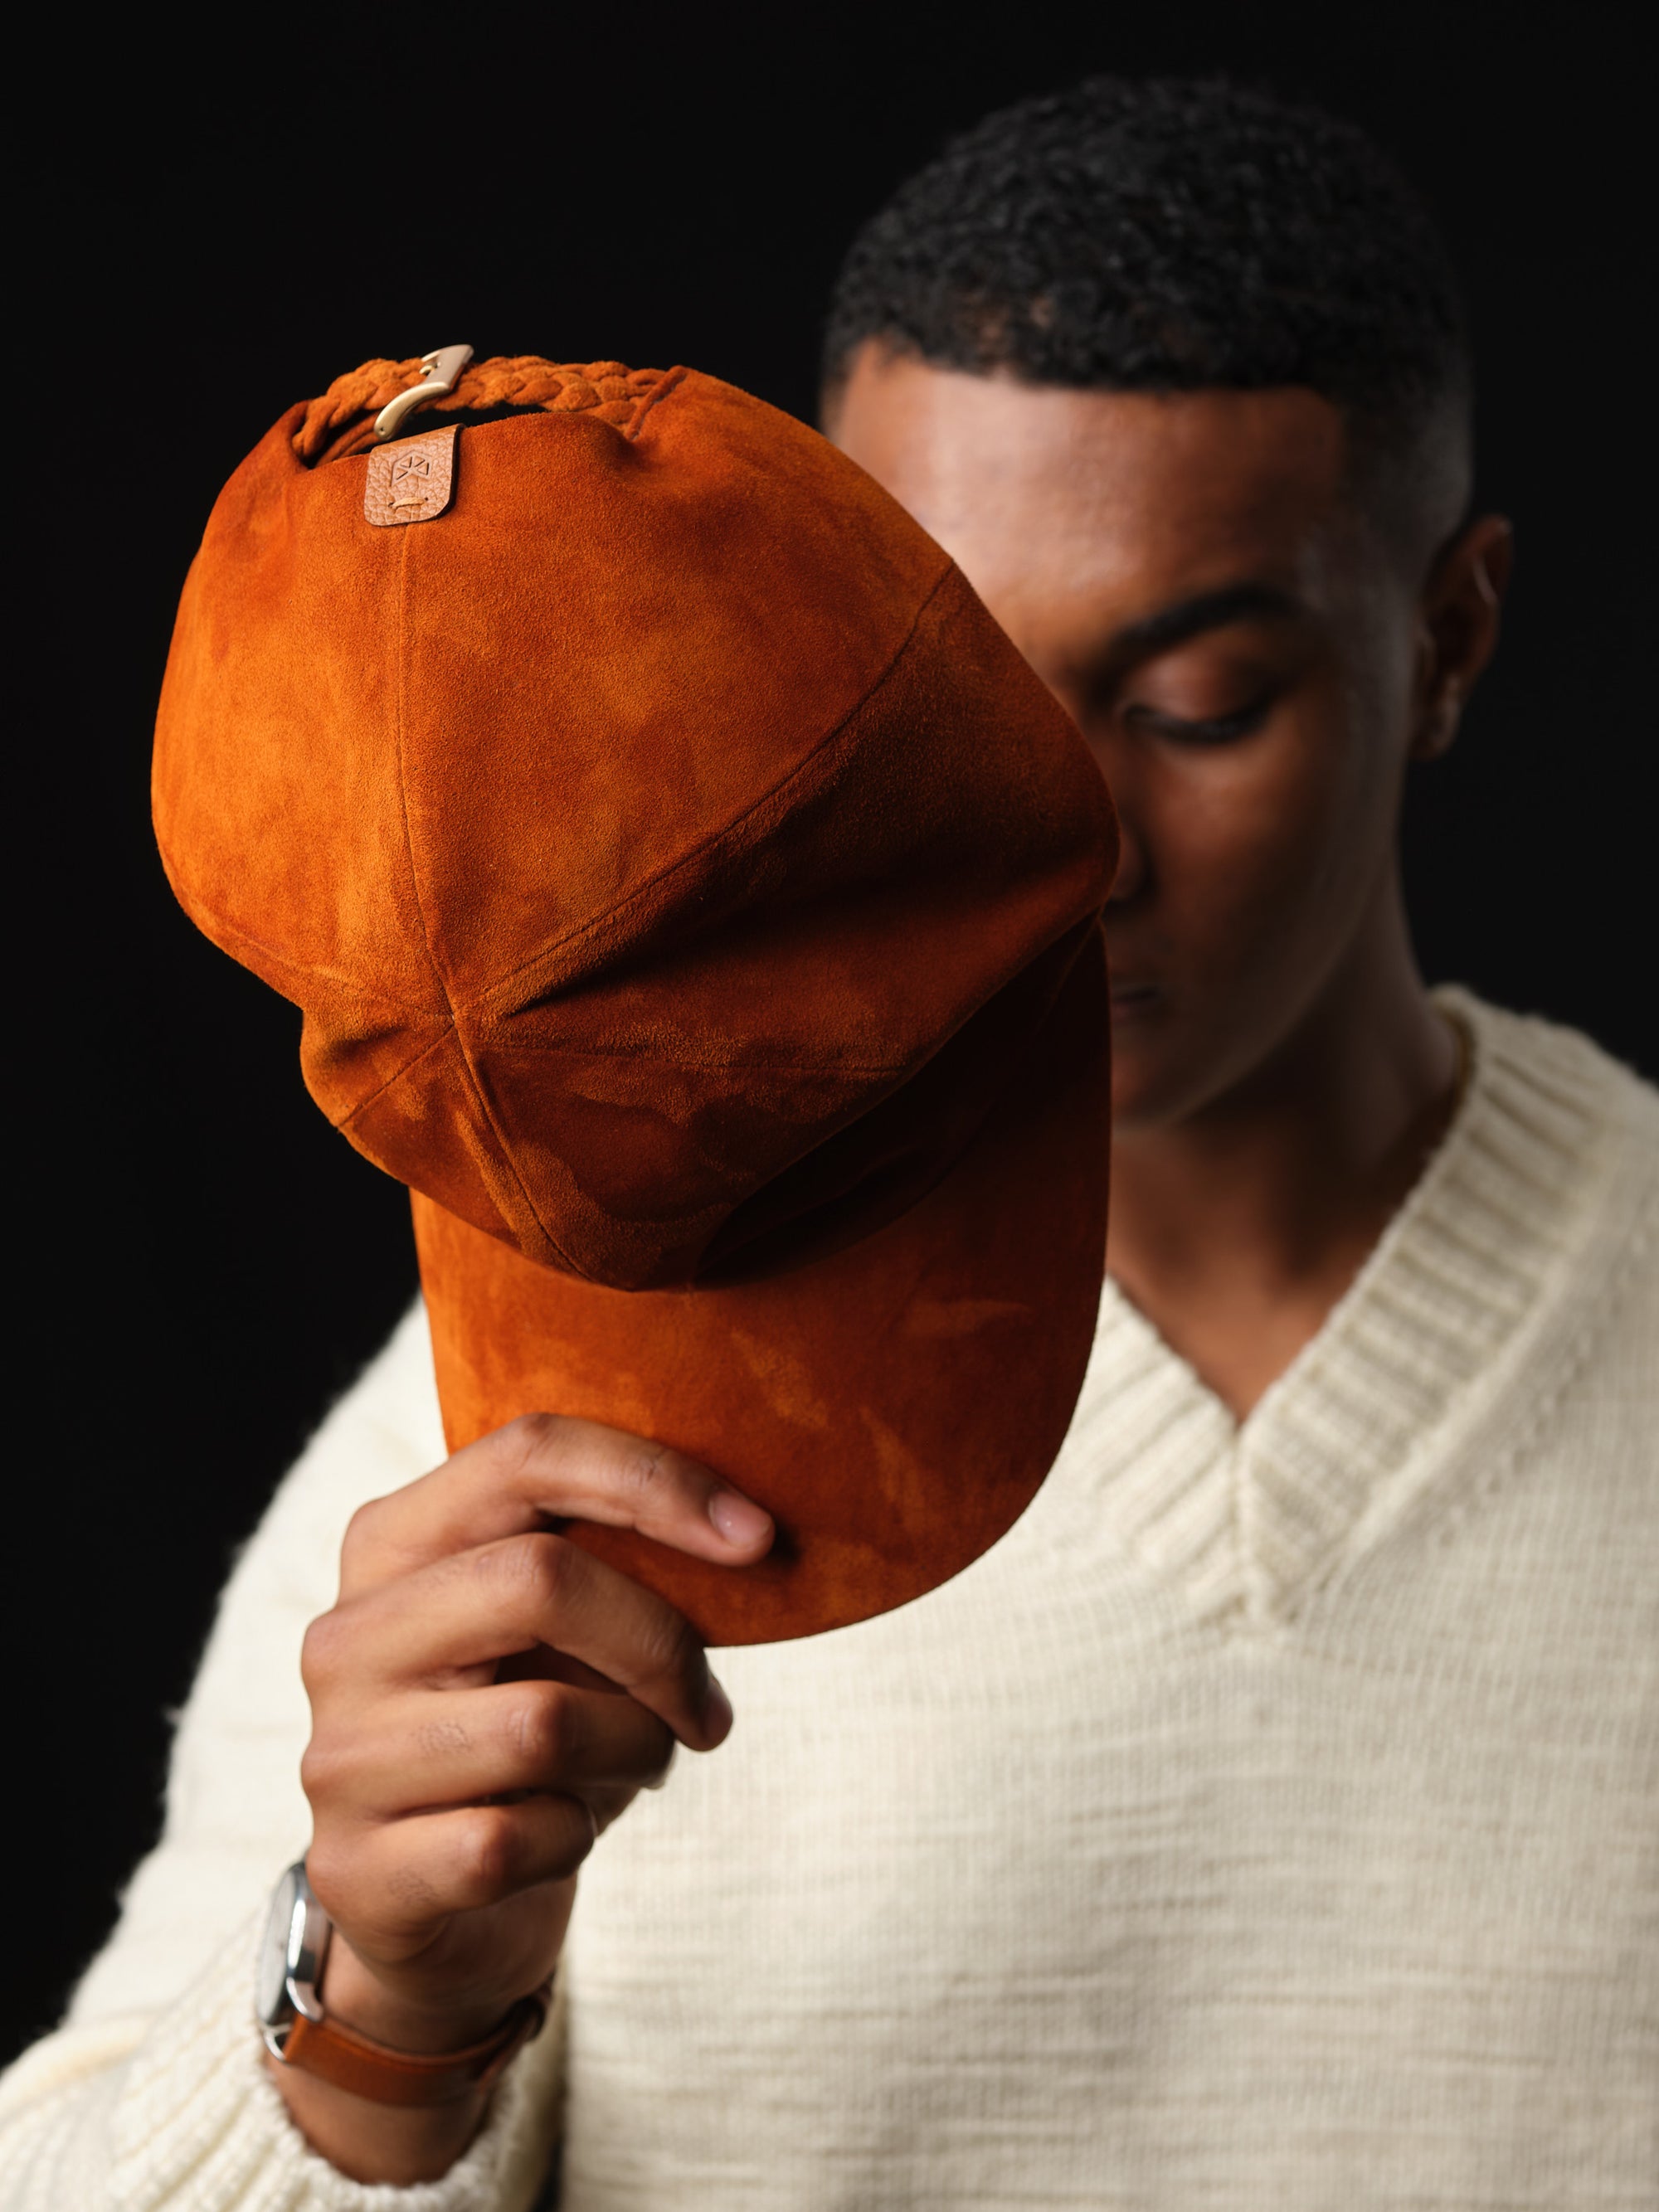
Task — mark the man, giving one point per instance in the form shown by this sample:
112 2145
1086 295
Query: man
1268 1819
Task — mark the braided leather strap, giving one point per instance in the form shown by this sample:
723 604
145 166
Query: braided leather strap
342 421
335 2053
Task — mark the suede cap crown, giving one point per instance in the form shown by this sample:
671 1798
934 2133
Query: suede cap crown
633 834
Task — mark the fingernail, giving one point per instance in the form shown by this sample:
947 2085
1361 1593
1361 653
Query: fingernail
716 1709
737 1519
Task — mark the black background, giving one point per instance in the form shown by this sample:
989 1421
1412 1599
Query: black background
218 228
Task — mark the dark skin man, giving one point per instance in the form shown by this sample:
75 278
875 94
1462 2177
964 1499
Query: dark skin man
1254 662
1254 659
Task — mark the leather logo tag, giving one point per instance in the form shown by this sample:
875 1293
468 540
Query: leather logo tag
411 480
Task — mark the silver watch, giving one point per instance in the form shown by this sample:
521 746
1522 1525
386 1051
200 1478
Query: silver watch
291 1959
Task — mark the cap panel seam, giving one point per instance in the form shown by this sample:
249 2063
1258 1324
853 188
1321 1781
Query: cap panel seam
371 1097
707 1067
444 1023
469 1071
466 1009
195 904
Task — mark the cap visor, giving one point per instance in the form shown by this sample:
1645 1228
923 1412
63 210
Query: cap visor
895 1406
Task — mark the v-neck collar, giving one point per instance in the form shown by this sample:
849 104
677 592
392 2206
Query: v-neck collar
1243 1516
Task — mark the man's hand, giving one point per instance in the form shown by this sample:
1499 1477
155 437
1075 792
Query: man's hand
486 1697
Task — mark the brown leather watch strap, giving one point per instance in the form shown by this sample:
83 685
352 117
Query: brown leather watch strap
332 2051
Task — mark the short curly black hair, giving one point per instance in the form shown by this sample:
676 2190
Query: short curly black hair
1171 235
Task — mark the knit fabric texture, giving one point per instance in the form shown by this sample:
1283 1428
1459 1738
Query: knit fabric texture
1271 1818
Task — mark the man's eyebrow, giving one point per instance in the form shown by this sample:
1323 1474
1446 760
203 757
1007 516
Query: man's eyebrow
1187 618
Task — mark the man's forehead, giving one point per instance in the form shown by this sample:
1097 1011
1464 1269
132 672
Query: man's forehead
1136 496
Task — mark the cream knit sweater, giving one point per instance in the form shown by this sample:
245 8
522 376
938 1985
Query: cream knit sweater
1270 1821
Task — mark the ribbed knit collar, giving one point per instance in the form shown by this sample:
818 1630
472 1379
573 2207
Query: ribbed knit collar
1244 1515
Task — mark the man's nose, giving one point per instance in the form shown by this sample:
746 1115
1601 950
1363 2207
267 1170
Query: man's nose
1131 876
1116 763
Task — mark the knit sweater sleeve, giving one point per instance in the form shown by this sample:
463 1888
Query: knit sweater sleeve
151 2096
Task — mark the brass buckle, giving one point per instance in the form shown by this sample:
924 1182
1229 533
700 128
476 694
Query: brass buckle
439 371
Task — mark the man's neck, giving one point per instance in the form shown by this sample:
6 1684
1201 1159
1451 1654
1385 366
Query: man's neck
1236 1230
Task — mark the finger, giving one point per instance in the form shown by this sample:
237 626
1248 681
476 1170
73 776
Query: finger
487 1605
543 1466
433 1749
393 1885
608 1805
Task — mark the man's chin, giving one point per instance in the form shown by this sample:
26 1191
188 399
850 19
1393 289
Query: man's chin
1161 1073
1146 1074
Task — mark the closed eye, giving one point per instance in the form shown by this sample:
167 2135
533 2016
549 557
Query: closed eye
1220 730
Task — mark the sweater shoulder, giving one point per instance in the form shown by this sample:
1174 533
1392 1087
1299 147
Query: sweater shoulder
1564 1073
1567 1175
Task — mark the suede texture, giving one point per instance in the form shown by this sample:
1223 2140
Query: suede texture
682 880
895 1405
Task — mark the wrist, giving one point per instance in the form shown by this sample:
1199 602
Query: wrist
353 2068
351 2121
358 1998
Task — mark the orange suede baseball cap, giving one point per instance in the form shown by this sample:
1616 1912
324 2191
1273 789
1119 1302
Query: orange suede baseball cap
693 897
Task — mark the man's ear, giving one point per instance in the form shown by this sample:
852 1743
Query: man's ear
1458 628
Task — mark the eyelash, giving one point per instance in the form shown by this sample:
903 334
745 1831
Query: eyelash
1220 731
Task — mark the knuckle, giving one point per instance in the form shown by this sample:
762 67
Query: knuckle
321 1769
528 1437
486 1851
328 1869
322 1650
363 1531
670 1651
576 1833
445 1738
642 1472
407 1897
541 1725
536 1568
